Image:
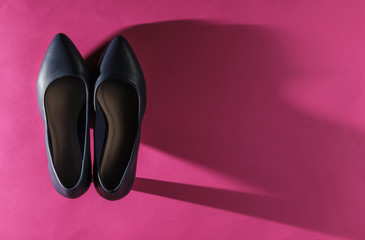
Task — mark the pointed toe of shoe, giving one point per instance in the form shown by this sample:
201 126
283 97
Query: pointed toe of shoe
61 59
120 61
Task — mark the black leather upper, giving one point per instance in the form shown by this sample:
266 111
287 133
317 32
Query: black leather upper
119 62
63 59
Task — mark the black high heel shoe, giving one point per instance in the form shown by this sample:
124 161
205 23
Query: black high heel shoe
119 103
62 91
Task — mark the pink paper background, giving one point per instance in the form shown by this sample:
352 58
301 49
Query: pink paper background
255 122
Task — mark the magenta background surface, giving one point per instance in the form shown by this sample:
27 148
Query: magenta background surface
255 122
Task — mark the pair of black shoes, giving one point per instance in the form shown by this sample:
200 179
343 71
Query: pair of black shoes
119 101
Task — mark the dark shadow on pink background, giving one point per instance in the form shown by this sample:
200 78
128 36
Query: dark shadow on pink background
214 99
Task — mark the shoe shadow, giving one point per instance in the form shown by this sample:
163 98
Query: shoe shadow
233 201
213 93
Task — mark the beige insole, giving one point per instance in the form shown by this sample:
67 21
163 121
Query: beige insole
119 102
64 101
